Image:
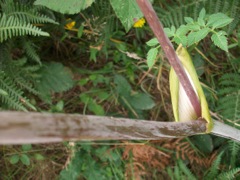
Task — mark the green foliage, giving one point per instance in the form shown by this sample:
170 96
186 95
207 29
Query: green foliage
117 82
17 20
180 171
14 27
24 157
54 78
195 31
174 14
229 103
65 7
98 163
135 102
203 142
127 11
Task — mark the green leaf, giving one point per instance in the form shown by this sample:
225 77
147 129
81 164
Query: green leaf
219 20
3 92
142 101
193 27
54 78
122 85
195 37
169 32
26 147
181 40
95 108
201 22
152 42
25 159
127 12
39 157
220 40
65 7
202 13
203 142
151 56
80 31
14 159
182 30
59 106
188 20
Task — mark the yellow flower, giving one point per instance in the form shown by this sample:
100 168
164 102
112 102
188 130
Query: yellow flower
139 23
70 25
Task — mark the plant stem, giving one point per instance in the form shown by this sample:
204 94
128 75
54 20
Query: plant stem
171 55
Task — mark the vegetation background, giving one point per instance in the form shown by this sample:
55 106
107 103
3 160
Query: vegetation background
93 59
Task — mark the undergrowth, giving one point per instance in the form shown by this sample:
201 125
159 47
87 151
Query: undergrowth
87 63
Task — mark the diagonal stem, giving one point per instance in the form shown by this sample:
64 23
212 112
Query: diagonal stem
171 55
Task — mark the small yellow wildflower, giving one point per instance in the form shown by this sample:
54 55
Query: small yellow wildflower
70 25
139 23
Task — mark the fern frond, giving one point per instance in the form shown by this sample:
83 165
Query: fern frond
229 174
25 13
11 26
186 170
14 94
234 149
229 97
174 14
213 171
30 51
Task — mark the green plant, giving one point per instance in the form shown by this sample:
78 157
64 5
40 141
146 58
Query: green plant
100 162
193 32
24 157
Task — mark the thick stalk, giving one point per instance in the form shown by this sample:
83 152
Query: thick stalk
24 128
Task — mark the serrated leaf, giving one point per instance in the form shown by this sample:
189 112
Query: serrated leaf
195 37
127 12
14 159
182 30
201 22
65 7
54 78
181 40
151 56
142 101
220 40
219 20
202 13
193 27
25 159
188 20
169 32
152 42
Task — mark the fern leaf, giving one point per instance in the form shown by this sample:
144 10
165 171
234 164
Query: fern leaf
31 52
14 94
213 171
229 97
234 148
10 27
186 170
25 13
229 174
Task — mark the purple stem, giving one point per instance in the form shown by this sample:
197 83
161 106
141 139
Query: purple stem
171 55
